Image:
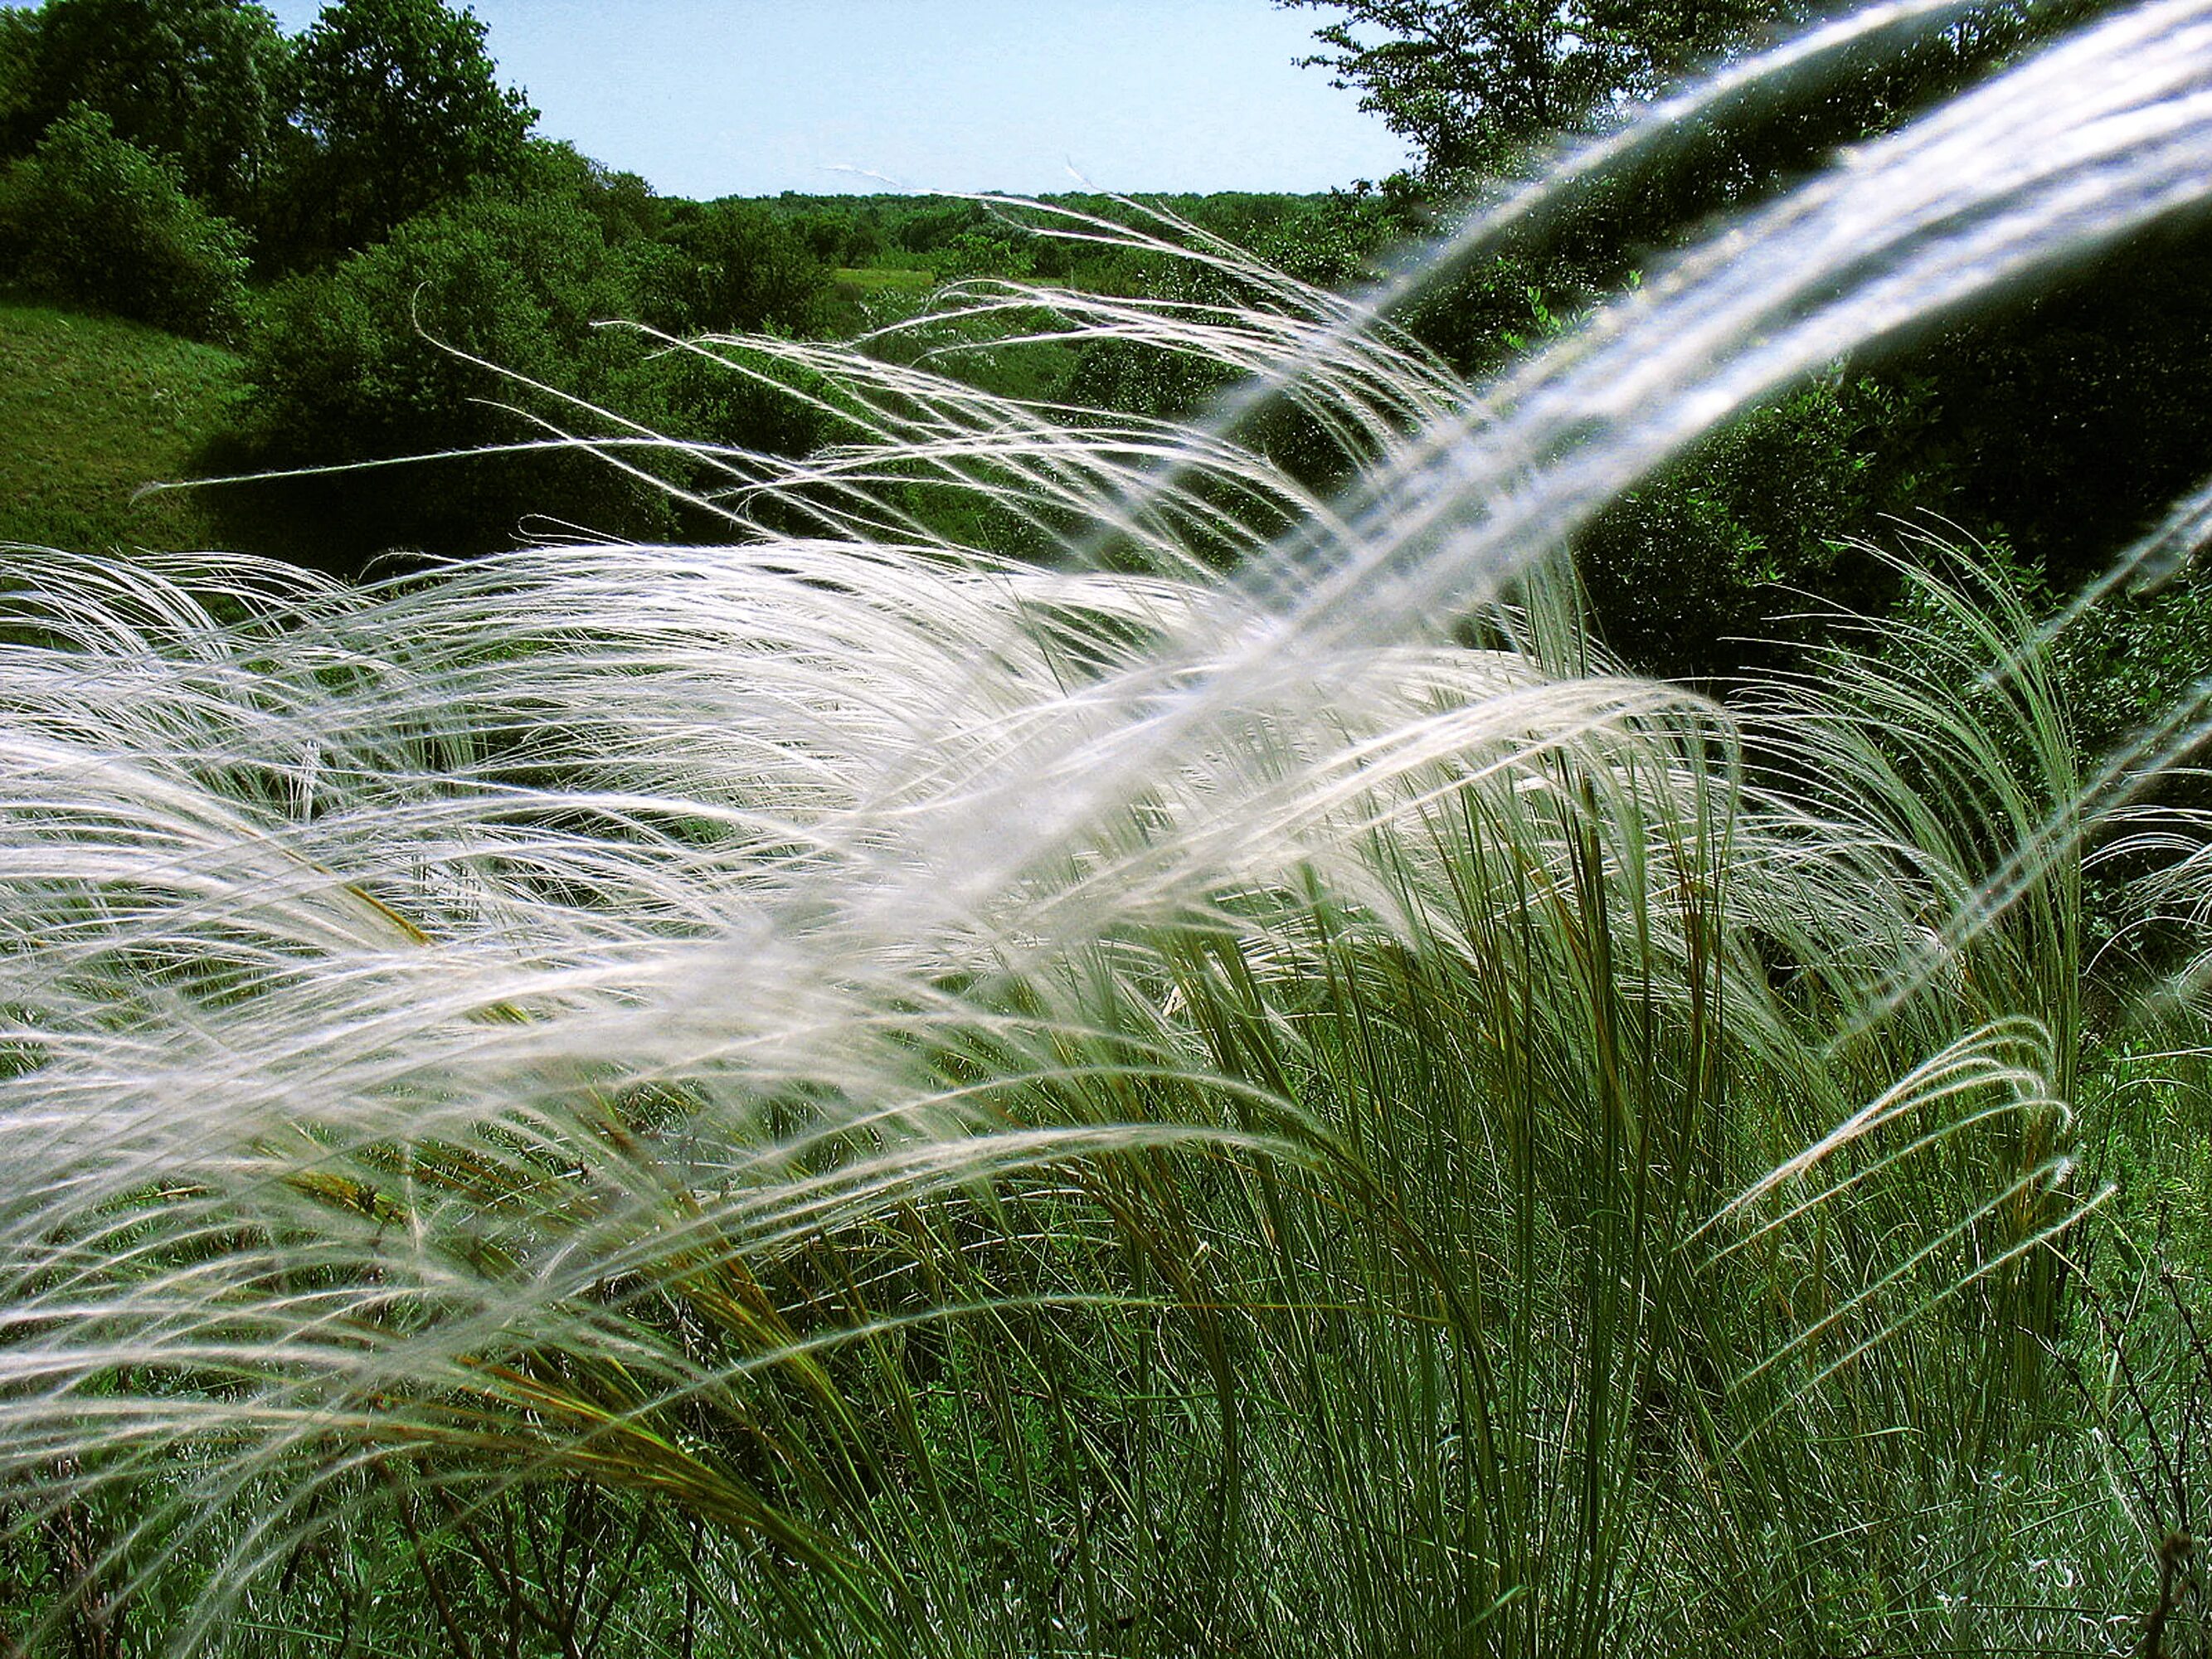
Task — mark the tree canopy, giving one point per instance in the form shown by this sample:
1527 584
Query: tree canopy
91 217
320 146
19 48
1478 84
1474 83
202 81
403 108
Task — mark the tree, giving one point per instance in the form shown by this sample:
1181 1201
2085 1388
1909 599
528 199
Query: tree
2059 428
404 110
91 219
19 48
1474 83
202 81
838 236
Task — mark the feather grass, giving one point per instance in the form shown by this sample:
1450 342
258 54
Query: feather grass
974 1107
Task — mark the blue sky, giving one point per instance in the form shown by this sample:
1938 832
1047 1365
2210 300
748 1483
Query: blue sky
749 97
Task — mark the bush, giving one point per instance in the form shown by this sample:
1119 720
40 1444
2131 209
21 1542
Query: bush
385 356
1705 567
91 219
372 361
352 365
730 267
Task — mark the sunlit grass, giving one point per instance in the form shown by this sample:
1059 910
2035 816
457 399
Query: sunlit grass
95 409
885 279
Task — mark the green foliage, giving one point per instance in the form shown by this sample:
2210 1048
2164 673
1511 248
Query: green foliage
2061 424
2069 419
19 53
840 239
2136 654
984 251
402 109
423 344
730 267
921 227
1142 378
202 82
1475 83
90 218
1334 241
347 365
373 360
1481 86
1712 563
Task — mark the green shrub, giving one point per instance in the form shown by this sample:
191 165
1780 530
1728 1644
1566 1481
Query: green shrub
91 219
355 364
730 267
1708 564
387 356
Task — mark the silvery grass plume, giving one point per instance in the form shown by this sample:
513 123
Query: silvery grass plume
842 1093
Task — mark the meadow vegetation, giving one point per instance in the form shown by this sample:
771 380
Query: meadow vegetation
97 407
1113 1028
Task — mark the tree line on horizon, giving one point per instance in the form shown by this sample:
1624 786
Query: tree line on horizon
344 204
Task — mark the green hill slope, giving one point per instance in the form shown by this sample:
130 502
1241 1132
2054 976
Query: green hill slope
91 410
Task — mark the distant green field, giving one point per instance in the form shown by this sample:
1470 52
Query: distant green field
91 410
876 279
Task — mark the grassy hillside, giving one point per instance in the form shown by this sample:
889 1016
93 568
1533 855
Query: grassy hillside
91 410
883 279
